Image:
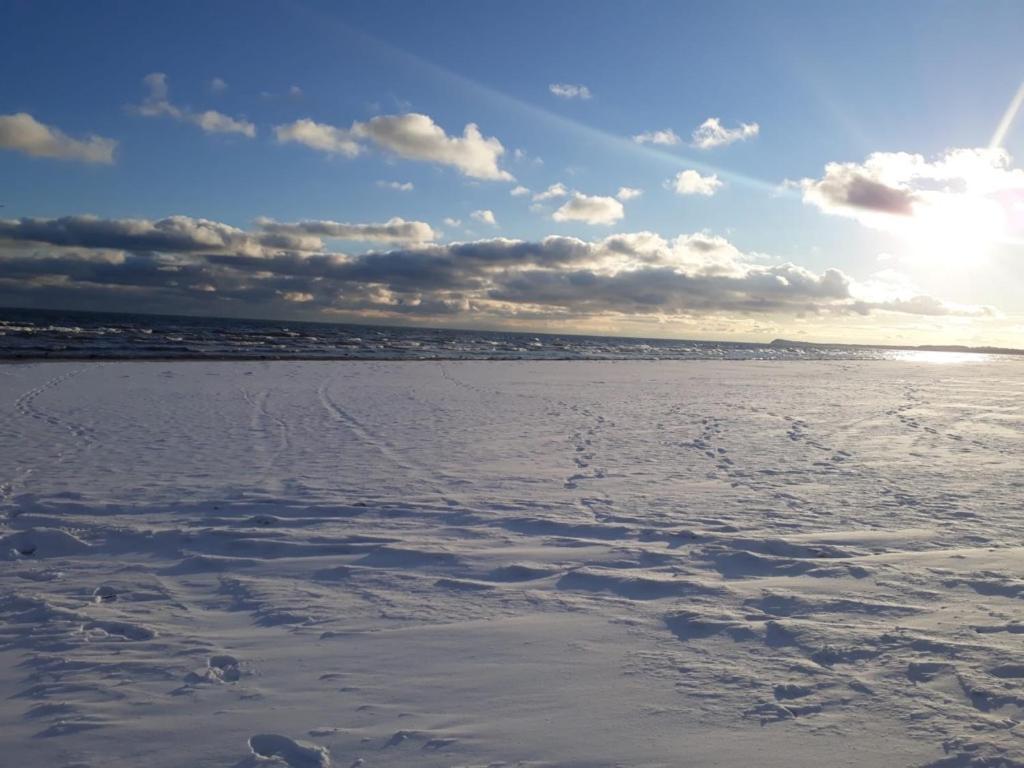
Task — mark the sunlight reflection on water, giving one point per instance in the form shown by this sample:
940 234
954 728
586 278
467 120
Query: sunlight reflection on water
934 356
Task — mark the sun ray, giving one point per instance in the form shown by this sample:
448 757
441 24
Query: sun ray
614 141
1008 117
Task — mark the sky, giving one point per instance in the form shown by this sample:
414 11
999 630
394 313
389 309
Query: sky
730 170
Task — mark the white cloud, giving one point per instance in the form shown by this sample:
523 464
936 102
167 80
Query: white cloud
519 191
23 133
484 217
711 133
628 193
690 182
412 136
450 222
295 92
399 186
300 297
555 190
326 138
570 91
216 122
666 137
158 104
957 204
902 184
592 209
218 85
417 137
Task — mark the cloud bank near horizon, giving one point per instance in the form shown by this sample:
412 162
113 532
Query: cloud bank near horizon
187 263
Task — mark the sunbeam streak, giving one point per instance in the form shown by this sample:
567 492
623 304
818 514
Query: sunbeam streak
570 125
1008 117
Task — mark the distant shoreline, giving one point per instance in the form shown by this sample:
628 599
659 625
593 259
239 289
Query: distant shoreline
415 329
50 335
900 348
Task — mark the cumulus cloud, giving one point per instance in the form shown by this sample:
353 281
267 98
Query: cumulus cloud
450 222
690 182
185 235
174 234
418 137
711 133
555 190
23 133
326 138
628 193
519 191
592 209
484 217
217 122
666 137
972 191
218 85
411 136
177 261
158 104
399 186
570 91
845 187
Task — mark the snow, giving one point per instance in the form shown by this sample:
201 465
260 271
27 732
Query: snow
314 564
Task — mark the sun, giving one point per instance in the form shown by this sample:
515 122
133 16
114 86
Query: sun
956 229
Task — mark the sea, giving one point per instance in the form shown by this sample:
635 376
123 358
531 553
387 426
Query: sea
30 334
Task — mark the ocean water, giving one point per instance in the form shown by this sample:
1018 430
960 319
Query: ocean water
46 334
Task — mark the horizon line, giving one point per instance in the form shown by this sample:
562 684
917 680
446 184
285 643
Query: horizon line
977 349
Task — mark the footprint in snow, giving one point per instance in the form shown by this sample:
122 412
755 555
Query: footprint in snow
399 737
104 594
295 754
219 669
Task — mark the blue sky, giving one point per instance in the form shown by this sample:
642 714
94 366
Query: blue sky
823 83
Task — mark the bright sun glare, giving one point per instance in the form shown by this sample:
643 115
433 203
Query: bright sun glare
957 230
962 229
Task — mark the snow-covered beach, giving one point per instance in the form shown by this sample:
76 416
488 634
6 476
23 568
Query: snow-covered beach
512 563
